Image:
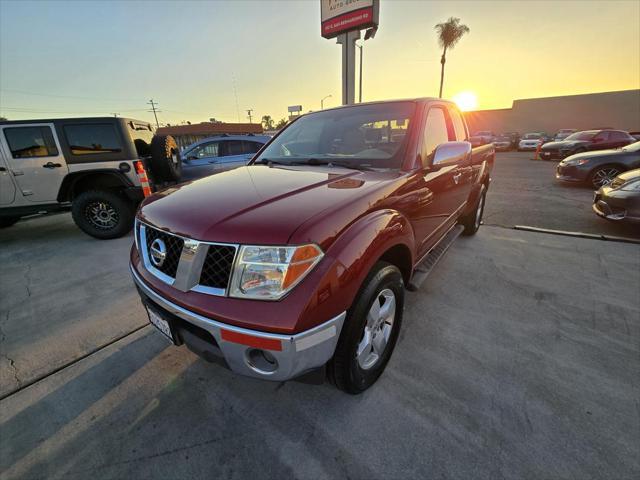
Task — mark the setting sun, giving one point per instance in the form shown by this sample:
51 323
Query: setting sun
466 101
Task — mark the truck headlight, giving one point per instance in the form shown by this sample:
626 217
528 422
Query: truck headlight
269 273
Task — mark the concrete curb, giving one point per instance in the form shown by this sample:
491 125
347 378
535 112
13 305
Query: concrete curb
592 236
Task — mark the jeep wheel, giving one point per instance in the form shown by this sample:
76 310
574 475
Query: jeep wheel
472 220
165 159
8 221
102 214
370 331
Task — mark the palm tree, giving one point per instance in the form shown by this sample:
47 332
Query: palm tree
267 122
449 33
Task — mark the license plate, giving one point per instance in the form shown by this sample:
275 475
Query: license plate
161 324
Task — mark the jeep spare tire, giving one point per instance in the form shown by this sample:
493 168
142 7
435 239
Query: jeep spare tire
166 164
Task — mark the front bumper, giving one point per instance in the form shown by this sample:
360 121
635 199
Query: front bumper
550 154
571 173
612 207
290 356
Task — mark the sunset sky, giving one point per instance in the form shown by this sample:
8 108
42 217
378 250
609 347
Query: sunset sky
62 59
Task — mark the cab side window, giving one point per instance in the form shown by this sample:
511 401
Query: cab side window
250 147
602 137
435 133
29 142
232 147
458 125
205 151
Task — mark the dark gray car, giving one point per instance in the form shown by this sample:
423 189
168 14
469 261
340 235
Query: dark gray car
598 168
620 200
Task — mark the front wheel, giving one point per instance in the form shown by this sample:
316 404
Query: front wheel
603 176
472 220
370 331
103 214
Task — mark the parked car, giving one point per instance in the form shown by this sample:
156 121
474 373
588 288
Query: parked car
91 166
531 141
217 154
298 262
619 201
486 135
503 143
515 139
563 133
598 168
585 141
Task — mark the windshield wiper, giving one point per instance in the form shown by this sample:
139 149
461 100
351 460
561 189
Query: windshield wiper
332 163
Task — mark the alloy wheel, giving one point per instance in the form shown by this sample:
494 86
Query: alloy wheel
101 215
604 176
377 329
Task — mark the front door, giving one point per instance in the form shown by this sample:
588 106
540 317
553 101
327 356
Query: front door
35 160
443 188
201 161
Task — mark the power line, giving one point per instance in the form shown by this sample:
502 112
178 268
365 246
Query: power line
37 94
153 109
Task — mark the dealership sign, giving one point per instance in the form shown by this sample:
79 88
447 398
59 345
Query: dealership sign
340 16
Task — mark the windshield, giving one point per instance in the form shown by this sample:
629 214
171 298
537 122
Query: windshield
581 136
531 136
371 136
634 147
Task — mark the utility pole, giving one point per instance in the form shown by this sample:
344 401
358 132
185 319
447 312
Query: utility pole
249 110
115 114
360 47
153 109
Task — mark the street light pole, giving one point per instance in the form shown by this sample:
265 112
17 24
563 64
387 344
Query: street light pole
360 47
322 102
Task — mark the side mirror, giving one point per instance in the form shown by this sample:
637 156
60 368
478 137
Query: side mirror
450 152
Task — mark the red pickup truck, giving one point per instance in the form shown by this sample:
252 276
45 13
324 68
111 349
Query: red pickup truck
298 262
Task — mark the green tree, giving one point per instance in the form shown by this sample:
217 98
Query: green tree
449 33
3 119
281 123
267 122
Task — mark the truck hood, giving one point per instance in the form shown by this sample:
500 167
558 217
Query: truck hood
255 204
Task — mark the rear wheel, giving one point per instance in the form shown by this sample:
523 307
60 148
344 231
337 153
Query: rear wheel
103 214
472 220
603 176
370 331
8 221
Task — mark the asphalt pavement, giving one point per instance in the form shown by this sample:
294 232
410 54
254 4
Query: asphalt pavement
526 192
518 358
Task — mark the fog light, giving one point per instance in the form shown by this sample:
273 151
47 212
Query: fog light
261 361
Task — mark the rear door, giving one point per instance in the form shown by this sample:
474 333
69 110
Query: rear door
619 139
235 153
35 160
7 188
601 141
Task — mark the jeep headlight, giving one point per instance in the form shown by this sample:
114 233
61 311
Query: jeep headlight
269 273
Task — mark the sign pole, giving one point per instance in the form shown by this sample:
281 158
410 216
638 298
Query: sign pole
348 42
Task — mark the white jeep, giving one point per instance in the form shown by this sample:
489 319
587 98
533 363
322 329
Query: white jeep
92 166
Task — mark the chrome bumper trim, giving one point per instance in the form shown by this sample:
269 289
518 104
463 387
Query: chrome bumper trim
300 353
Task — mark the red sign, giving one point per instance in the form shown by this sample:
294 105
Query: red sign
340 16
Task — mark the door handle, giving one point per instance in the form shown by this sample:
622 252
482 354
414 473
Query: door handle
51 165
2 169
456 177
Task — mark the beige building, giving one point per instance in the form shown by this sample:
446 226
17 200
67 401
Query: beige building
619 110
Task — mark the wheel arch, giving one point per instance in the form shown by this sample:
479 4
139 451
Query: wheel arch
76 183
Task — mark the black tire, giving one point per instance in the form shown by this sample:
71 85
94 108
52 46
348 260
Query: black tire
604 173
344 370
166 164
8 221
103 214
472 220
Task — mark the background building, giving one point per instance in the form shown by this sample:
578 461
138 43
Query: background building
187 134
594 110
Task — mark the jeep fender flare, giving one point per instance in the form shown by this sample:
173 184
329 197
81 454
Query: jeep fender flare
106 177
352 256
